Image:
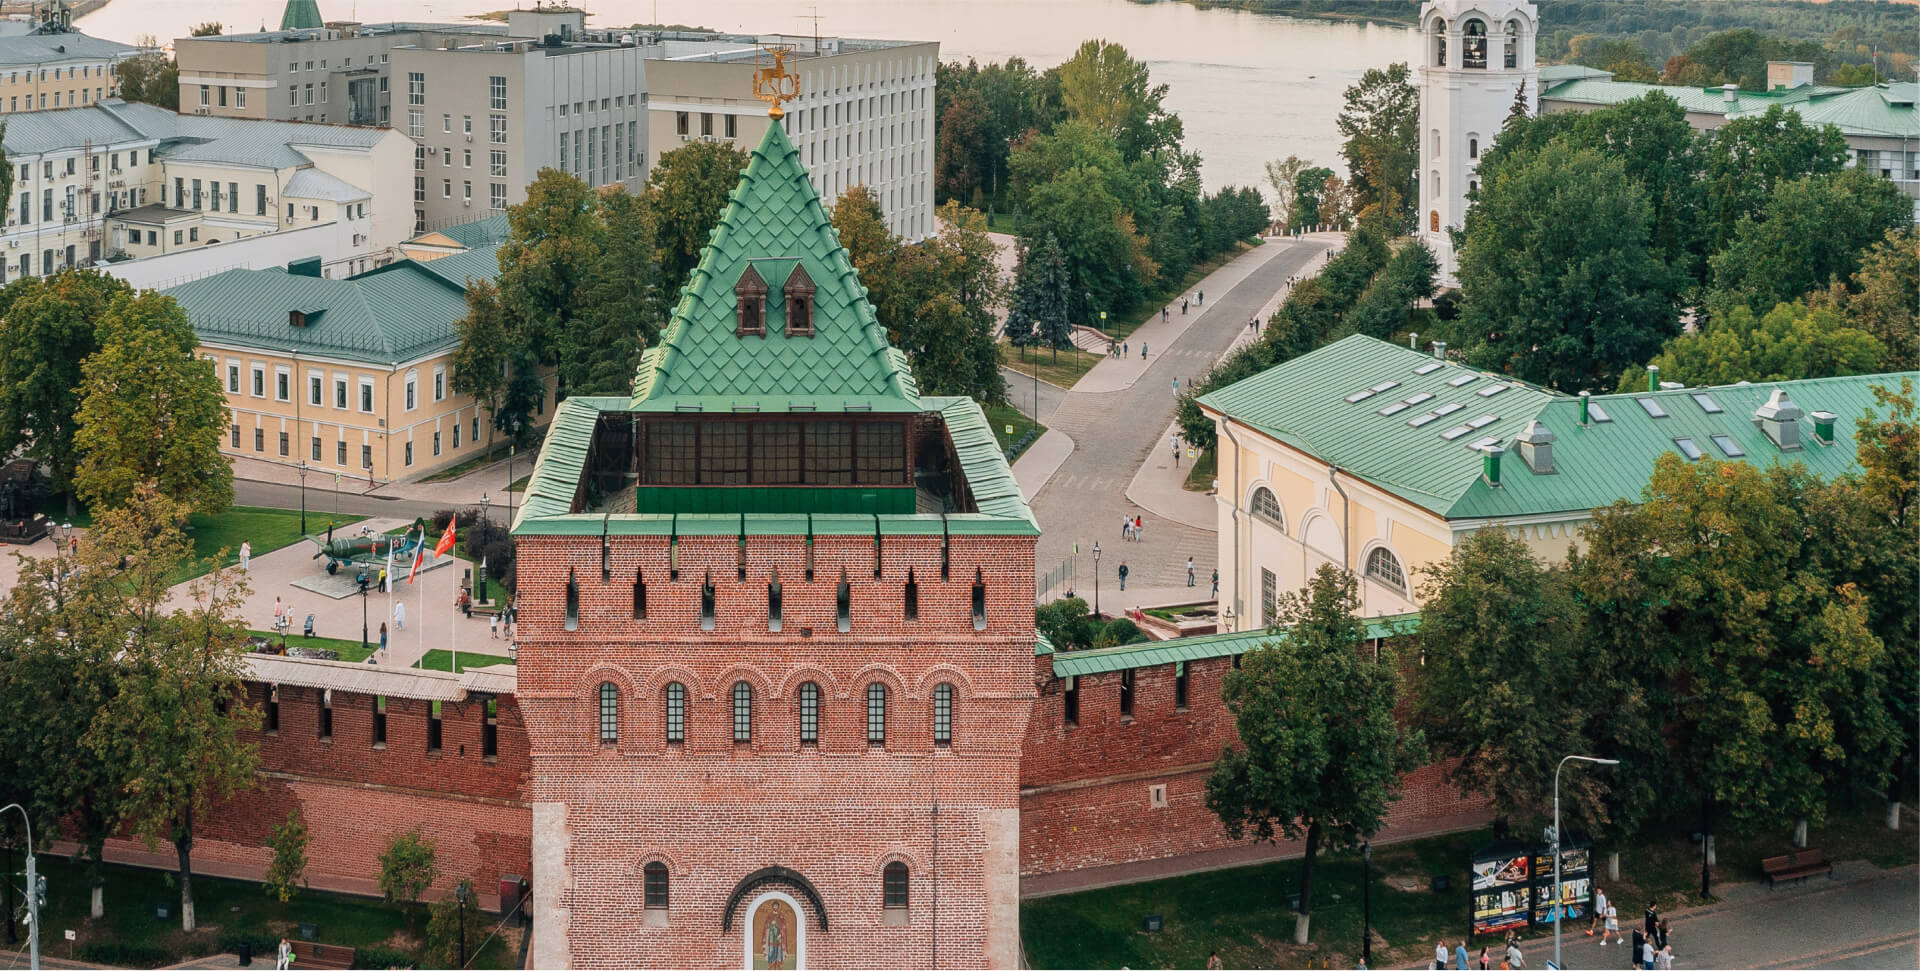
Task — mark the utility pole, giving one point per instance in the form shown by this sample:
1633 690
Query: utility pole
36 892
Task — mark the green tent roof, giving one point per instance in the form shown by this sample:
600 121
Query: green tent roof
301 15
1365 406
774 222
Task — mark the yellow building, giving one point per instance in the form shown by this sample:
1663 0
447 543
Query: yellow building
351 377
57 68
1379 459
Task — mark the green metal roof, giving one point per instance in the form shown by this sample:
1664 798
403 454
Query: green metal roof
556 474
1884 110
774 220
1147 654
404 312
301 15
1437 465
479 232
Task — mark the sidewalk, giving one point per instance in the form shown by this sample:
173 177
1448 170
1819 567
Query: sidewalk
489 480
1040 461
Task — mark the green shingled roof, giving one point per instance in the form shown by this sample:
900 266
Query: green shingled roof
300 15
773 221
1146 654
1431 460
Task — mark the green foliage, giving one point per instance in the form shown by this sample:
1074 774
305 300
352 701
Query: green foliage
1407 277
1812 231
1104 86
376 957
120 954
407 867
1320 752
286 872
488 348
688 190
622 304
1789 343
1117 632
1309 187
1380 121
1558 302
150 77
1231 216
151 412
998 103
211 28
1066 622
1880 297
450 921
1746 159
47 330
1283 177
1740 57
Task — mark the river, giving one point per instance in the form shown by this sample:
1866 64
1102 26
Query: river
1249 87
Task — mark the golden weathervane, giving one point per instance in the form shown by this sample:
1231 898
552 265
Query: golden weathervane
774 84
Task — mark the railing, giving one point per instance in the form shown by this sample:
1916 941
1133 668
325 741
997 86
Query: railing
1062 576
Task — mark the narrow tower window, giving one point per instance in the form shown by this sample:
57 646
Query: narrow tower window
1126 693
639 596
910 598
573 603
843 606
799 291
943 714
809 714
706 603
676 713
609 713
774 603
742 712
750 298
876 714
979 602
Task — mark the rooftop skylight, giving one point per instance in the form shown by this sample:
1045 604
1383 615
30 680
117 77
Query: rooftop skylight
1482 444
1395 408
1599 414
1688 449
1706 403
1483 421
1359 396
1418 420
1448 408
1728 446
1384 386
1454 432
1652 407
1429 367
1414 399
1491 390
1464 380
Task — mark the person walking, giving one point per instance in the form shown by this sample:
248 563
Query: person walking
1216 583
279 614
246 555
1612 927
1201 297
1123 574
1515 959
1176 387
1143 350
1651 919
1460 957
1660 934
493 628
1646 952
1139 527
399 615
1599 909
1440 956
1123 348
1189 571
1165 312
1126 527
383 638
1486 960
1173 442
1183 306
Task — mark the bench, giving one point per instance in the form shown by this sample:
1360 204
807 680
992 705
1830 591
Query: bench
307 954
1798 865
485 610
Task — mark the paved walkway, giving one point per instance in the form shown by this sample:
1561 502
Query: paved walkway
1116 431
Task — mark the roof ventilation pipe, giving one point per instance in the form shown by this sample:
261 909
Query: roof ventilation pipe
1823 426
1779 418
1440 350
1490 465
1586 408
1729 93
1653 377
1535 444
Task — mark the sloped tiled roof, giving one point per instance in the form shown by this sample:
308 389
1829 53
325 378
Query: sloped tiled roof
1431 460
1884 110
39 132
21 49
315 184
1147 654
301 15
774 218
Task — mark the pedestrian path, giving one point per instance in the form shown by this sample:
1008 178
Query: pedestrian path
1040 461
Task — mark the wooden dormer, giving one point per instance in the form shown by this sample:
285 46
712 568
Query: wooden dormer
799 289
750 295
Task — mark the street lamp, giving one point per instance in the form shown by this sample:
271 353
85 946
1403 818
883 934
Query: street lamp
1553 837
484 500
302 467
1366 906
36 892
460 894
1096 578
362 580
513 447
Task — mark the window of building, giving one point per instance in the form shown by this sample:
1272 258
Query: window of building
573 602
809 714
910 598
326 715
1070 702
366 456
943 714
609 713
379 721
733 126
1126 693
410 391
366 395
776 604
340 453
490 729
236 435
273 709
436 443
233 378
497 129
497 92
434 726
742 712
282 384
893 882
497 195
680 121
676 713
407 452
313 390
313 449
416 123
656 885
1267 508
843 606
283 444
1180 686
259 381
416 88
1383 566
1269 597
876 714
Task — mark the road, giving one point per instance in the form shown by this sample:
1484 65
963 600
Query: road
320 501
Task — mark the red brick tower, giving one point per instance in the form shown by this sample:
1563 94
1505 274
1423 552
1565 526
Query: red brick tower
777 637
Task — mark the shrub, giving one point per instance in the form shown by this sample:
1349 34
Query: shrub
407 867
264 945
122 954
1119 631
383 957
446 924
286 873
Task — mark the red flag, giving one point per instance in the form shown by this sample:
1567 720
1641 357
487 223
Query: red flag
419 556
446 541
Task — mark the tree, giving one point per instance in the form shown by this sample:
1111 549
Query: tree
958 159
454 928
286 872
1811 232
176 723
1053 292
1308 186
486 352
1336 203
1563 303
1065 622
1740 57
1283 176
211 28
1746 158
47 330
1407 278
1320 754
150 77
151 412
688 190
622 307
407 867
1522 107
1788 344
1105 87
1887 562
1879 298
554 240
1380 120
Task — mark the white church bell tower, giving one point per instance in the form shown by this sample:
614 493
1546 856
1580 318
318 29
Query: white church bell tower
1476 56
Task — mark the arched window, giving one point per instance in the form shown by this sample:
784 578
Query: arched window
1512 58
676 713
799 292
1440 43
573 603
876 714
656 885
1383 566
979 602
750 304
1473 44
1433 179
943 714
1266 508
893 885
742 712
1473 146
609 713
809 714
1433 221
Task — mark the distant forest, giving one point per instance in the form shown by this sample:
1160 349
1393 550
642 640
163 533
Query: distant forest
1849 31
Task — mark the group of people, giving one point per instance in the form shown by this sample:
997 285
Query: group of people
1130 527
1655 949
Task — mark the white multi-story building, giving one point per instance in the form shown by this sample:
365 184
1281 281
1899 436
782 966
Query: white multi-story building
1478 56
126 181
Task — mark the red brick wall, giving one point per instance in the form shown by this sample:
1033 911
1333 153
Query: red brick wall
714 811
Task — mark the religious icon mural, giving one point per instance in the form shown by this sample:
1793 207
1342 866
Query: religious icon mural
773 934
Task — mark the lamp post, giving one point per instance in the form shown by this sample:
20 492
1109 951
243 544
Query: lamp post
1553 838
36 891
484 500
361 579
302 467
460 895
513 447
1096 578
1366 906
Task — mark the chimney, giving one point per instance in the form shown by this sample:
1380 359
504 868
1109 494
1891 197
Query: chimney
1490 465
1653 377
1823 426
1413 340
1779 418
1440 350
1586 408
1536 447
1729 93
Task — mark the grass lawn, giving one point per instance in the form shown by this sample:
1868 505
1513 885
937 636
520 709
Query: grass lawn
223 908
266 529
1059 368
519 485
1200 476
460 468
1002 417
439 660
1121 329
350 649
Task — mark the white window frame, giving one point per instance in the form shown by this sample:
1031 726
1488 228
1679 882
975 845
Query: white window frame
367 398
412 399
342 385
282 371
440 382
258 372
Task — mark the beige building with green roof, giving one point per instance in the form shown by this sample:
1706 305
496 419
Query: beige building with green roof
1379 459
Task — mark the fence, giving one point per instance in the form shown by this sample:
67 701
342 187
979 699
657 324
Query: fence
1061 576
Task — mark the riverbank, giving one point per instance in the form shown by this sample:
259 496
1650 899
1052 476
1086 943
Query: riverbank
1399 13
